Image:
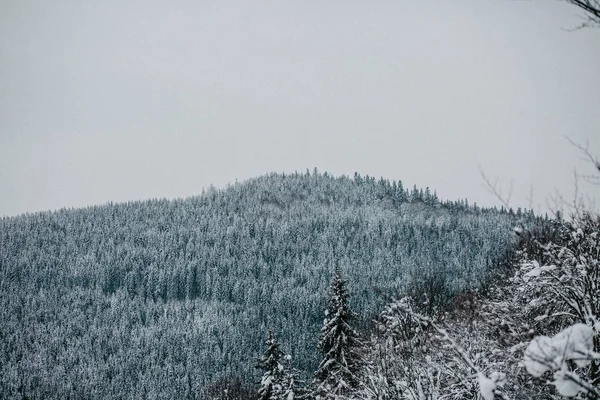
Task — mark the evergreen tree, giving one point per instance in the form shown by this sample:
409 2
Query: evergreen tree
292 388
272 384
339 344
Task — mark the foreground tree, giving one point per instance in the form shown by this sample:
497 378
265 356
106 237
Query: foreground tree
292 387
272 384
339 343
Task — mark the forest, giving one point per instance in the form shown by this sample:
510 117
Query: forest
165 299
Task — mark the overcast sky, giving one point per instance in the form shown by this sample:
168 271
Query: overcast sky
126 100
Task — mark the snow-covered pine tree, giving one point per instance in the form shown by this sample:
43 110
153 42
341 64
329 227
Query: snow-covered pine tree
273 379
292 387
339 343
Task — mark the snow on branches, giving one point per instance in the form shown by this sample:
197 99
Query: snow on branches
278 380
575 343
536 327
339 343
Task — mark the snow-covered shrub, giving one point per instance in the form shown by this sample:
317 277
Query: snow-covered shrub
548 354
537 326
403 332
448 359
567 296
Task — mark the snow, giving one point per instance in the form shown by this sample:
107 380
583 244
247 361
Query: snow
565 386
266 380
548 354
486 386
537 270
535 356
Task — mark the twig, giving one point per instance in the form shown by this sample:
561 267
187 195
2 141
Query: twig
493 188
586 151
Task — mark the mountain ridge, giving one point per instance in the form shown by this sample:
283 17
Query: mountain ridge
201 279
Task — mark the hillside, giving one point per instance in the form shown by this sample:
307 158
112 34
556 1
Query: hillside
156 299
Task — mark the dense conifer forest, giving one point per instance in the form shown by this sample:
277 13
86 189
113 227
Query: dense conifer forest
165 298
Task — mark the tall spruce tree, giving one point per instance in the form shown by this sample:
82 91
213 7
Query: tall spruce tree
292 387
272 384
339 343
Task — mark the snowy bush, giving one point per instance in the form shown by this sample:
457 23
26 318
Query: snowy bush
537 326
568 286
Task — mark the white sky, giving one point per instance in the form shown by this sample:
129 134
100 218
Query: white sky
124 100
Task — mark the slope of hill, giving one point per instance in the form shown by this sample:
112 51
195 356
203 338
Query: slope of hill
156 299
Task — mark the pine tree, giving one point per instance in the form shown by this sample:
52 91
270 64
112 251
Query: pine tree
339 344
273 379
292 388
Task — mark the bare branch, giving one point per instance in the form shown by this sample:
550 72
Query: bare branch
591 9
494 189
588 156
578 202
555 203
530 197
